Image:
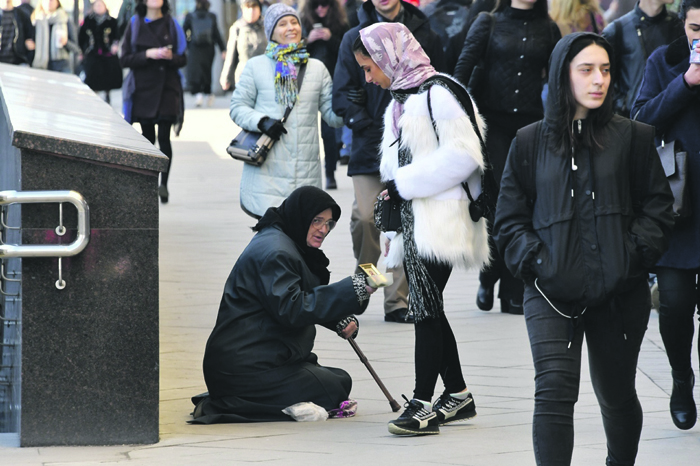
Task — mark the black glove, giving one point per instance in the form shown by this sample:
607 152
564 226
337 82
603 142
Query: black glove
358 96
340 326
271 127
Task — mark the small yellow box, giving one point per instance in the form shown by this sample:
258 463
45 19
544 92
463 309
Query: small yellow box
375 278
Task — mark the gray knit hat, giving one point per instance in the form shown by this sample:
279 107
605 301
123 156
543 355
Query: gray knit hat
274 14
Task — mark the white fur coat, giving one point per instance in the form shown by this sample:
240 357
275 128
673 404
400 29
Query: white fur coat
443 229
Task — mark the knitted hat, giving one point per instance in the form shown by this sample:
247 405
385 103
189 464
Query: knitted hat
274 14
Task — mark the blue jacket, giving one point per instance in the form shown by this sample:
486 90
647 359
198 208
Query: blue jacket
666 102
367 122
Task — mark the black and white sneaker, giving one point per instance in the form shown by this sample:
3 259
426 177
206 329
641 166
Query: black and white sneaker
451 409
415 420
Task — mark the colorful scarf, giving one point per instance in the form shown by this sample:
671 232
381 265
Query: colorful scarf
287 57
400 56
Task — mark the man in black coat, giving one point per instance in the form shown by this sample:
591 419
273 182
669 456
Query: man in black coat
362 106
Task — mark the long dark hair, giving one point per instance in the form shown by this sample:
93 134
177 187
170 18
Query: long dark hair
336 20
541 7
563 132
141 8
687 5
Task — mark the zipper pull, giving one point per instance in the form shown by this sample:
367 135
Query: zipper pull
579 126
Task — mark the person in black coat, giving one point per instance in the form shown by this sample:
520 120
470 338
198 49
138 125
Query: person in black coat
362 107
99 40
202 32
258 359
153 48
584 212
506 52
669 99
16 35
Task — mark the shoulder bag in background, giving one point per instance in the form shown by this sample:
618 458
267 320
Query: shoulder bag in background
252 147
675 163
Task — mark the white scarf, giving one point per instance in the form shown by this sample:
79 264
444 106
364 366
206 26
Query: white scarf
46 46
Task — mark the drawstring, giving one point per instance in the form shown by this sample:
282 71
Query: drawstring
573 319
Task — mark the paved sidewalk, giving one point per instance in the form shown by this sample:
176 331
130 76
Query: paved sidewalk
202 233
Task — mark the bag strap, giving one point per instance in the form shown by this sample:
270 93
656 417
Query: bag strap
469 110
300 80
528 140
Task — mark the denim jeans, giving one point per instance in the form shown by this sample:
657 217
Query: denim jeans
614 332
678 298
436 348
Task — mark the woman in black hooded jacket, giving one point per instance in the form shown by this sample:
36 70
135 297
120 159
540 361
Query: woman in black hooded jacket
583 213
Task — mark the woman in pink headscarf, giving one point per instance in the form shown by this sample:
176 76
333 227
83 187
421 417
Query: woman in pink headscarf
432 143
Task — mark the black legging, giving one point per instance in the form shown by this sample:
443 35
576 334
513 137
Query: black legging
149 132
678 298
436 347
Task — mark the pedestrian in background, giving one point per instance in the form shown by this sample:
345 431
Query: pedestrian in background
323 24
246 39
507 52
668 99
99 40
268 86
634 37
584 212
50 22
202 32
154 49
16 34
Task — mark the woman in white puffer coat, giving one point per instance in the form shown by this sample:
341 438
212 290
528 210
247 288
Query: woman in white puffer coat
266 88
430 146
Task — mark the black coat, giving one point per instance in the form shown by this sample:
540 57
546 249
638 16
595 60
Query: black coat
634 37
200 57
366 122
102 69
158 90
591 245
23 30
516 63
265 332
667 103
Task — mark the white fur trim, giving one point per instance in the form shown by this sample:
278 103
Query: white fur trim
443 228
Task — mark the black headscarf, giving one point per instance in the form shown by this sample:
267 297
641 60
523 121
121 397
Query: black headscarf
294 217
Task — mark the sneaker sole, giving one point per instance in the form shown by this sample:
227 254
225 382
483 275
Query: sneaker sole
469 415
396 430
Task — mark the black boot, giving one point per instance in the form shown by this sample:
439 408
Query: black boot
484 298
683 410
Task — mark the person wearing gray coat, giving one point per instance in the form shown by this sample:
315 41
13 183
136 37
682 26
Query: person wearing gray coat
267 87
246 39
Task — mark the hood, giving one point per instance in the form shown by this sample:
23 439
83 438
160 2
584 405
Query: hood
552 110
414 19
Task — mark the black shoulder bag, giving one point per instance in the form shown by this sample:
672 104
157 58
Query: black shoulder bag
252 147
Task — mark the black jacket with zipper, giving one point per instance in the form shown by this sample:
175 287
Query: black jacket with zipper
585 236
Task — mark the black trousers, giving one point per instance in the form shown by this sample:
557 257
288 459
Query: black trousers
149 132
678 298
614 332
436 348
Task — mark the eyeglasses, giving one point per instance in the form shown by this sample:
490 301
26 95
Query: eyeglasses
319 223
319 3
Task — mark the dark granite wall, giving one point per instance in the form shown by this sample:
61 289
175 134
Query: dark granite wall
90 351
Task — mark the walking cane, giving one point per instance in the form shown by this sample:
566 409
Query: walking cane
394 405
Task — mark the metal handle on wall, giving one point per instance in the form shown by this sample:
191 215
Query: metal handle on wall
46 250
